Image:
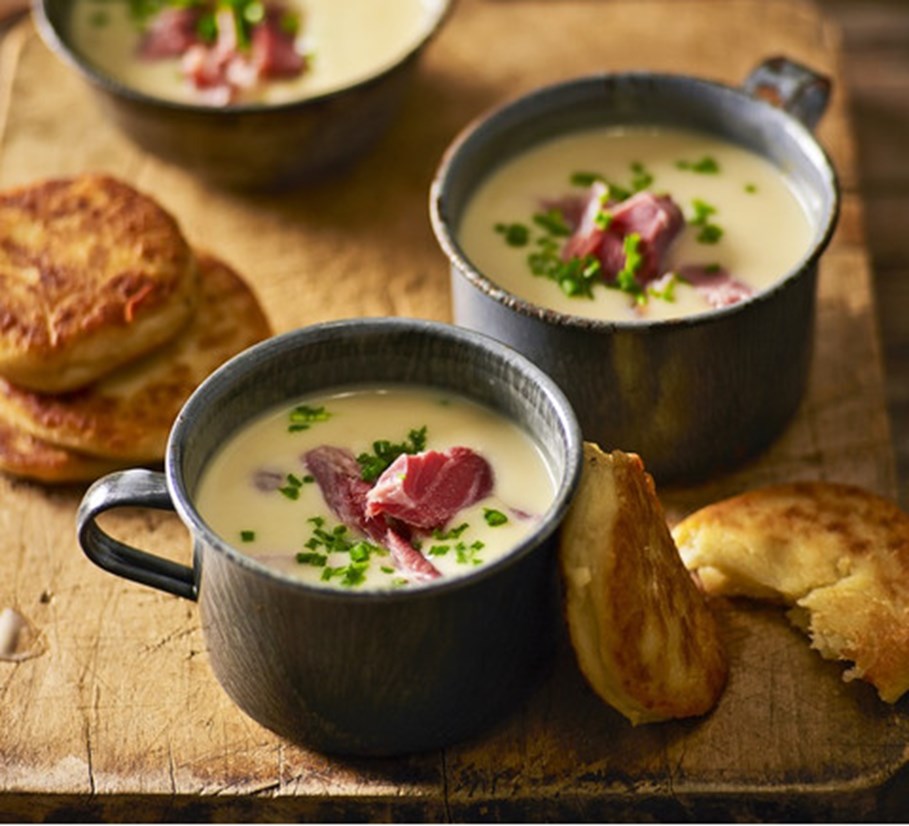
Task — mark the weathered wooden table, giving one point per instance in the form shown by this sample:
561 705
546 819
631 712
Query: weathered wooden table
119 717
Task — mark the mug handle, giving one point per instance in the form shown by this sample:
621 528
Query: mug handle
138 488
795 88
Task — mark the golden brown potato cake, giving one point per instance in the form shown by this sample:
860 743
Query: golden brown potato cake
127 415
92 275
26 456
836 554
642 632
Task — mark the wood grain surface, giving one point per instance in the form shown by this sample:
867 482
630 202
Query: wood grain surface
875 64
119 716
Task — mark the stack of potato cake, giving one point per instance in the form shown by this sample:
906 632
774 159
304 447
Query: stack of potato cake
108 321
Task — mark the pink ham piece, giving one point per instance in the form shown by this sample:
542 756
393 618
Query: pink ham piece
425 490
715 284
274 52
656 219
407 558
337 473
170 34
220 71
582 215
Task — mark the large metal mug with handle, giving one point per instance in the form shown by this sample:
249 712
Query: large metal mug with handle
357 672
692 395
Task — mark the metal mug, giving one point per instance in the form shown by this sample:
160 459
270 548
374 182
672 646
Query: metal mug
357 672
692 395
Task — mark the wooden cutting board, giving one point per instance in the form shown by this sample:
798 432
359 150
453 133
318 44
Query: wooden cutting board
118 717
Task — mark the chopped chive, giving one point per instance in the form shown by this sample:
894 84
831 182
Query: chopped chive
585 178
302 417
553 221
373 465
705 166
641 178
709 234
453 533
494 517
311 558
515 235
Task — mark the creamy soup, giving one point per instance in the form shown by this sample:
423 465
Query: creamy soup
536 229
343 41
377 488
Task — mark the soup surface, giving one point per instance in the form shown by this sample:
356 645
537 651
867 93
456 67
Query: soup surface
318 489
636 223
343 42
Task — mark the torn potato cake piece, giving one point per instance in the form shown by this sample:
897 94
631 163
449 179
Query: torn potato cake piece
93 274
836 554
642 632
128 414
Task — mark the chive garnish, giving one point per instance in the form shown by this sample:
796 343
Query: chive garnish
372 465
667 292
626 278
302 417
468 554
326 540
641 178
614 191
311 558
292 487
452 533
585 179
494 517
553 222
708 232
515 235
705 166
247 536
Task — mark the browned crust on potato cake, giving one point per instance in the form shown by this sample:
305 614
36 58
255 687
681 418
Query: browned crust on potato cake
643 633
92 274
128 414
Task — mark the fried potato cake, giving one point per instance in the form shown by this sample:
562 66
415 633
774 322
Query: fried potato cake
127 415
28 457
92 275
642 632
836 554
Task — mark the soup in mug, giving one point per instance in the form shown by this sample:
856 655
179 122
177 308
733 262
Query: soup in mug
377 488
635 223
264 52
